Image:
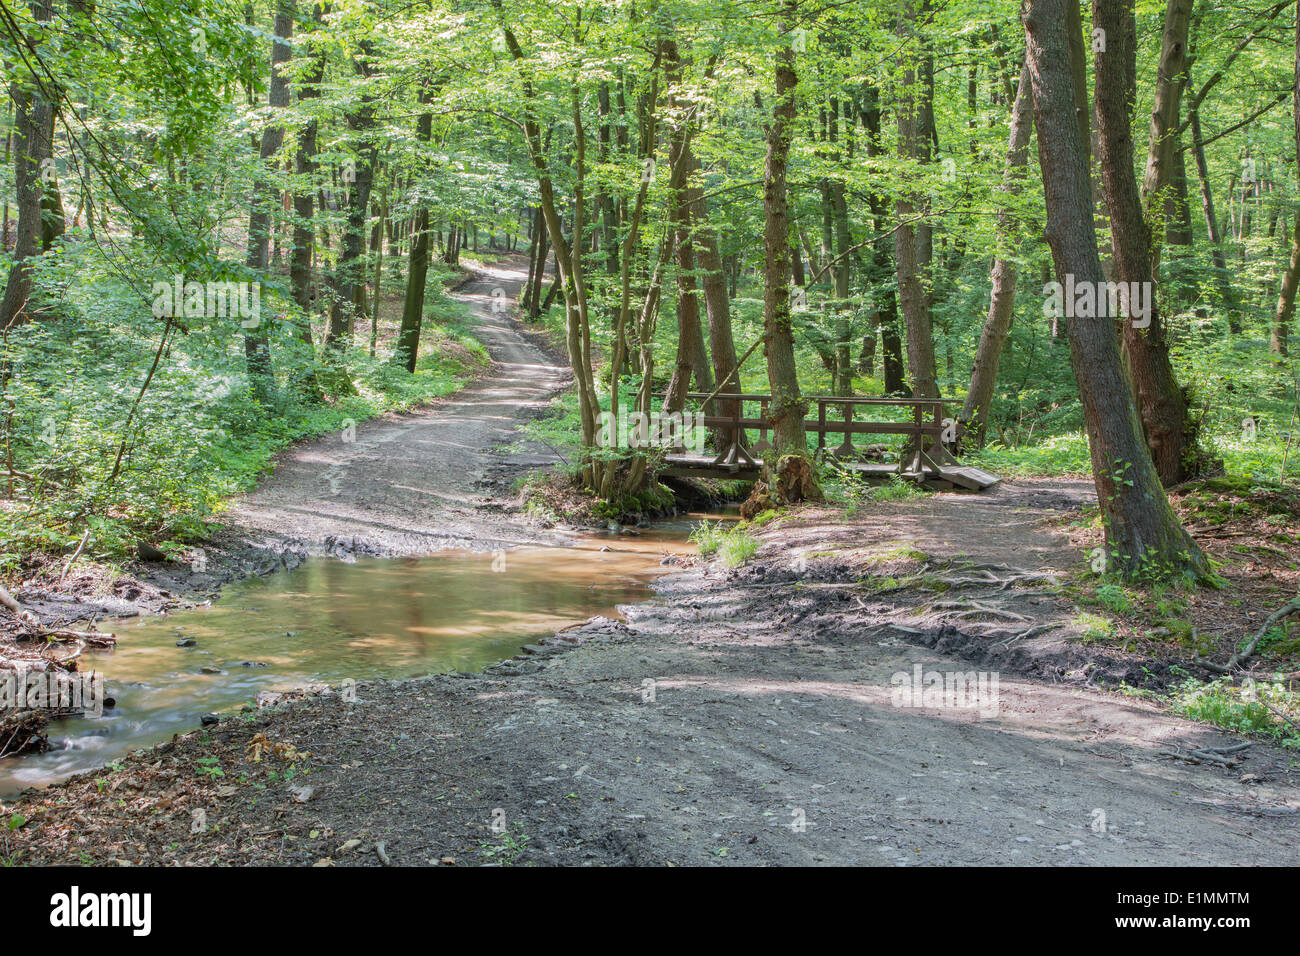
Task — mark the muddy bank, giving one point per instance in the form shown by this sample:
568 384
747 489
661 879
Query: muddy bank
746 717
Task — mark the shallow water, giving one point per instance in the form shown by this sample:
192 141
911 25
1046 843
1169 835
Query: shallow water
330 621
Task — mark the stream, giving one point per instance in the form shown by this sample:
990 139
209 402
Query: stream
328 621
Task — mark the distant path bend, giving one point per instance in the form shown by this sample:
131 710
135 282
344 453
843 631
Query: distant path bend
415 483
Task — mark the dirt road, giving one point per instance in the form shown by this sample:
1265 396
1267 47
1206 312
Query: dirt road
749 717
416 483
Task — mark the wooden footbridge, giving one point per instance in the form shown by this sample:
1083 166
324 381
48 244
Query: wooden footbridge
924 459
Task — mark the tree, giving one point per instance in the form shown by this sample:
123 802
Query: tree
33 154
787 408
417 272
911 238
256 342
1169 428
1284 312
1142 531
984 373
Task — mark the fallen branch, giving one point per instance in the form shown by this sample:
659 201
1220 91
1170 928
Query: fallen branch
1198 756
1245 653
90 637
75 554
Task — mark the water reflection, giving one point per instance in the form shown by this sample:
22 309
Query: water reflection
327 621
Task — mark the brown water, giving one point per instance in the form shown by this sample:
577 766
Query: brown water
329 621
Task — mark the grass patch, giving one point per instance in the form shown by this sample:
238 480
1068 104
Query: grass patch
1095 628
733 545
1252 707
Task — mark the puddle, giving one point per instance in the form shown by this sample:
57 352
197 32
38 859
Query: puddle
330 621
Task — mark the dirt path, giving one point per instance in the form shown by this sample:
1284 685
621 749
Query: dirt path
417 483
746 717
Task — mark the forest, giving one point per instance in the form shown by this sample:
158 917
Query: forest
872 195
735 249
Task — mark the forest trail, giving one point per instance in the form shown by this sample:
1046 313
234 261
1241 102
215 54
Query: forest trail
740 717
415 483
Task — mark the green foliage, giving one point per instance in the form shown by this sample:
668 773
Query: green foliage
1255 707
199 434
732 543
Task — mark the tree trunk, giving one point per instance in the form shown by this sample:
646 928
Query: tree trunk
984 374
1142 532
1285 311
1170 430
304 235
910 239
256 344
881 270
787 408
349 272
574 291
717 305
692 358
33 150
1227 290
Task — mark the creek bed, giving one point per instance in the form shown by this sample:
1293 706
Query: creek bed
329 621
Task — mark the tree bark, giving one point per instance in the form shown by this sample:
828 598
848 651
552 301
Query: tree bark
570 281
787 408
692 358
33 148
1284 313
1227 290
881 272
984 373
1162 405
304 233
349 272
911 245
417 270
717 306
1142 532
257 352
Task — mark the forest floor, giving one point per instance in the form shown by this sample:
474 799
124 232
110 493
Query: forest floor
751 716
746 717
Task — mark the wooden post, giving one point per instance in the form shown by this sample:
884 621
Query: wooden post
846 447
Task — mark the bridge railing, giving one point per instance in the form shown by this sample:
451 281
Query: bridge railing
925 418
